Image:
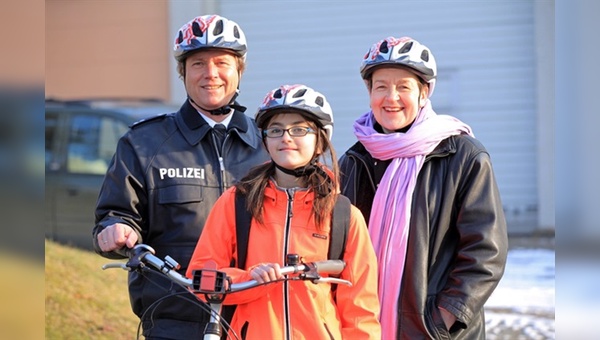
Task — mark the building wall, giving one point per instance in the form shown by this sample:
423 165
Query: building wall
22 63
107 49
487 61
493 60
545 61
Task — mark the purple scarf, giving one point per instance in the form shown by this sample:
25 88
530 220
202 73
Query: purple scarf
390 215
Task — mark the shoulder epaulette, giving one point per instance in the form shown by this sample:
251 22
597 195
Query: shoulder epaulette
149 119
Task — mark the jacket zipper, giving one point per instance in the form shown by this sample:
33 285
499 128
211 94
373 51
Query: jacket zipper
223 182
223 179
288 223
357 158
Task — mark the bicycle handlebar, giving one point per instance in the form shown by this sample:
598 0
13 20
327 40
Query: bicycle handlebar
211 281
142 254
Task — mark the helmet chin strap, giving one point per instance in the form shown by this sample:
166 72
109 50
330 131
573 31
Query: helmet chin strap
307 170
302 171
298 172
223 110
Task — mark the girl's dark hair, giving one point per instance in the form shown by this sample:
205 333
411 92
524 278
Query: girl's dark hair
325 184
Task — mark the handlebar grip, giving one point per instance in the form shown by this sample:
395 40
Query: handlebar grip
332 267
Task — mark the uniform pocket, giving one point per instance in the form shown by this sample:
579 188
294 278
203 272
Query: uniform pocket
178 194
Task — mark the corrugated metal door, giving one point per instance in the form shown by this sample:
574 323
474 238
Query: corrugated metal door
485 54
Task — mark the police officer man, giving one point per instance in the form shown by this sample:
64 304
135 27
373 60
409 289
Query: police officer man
169 170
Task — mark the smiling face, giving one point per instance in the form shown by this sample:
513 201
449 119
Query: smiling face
287 151
211 78
396 95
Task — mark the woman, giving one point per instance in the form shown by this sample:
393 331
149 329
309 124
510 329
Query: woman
291 200
427 188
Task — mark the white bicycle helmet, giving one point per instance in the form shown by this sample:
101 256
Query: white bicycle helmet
403 51
210 31
299 98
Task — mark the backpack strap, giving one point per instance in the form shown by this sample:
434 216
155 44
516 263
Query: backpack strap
242 229
242 234
340 225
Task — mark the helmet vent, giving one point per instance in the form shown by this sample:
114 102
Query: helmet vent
383 48
299 94
236 32
297 98
180 37
425 55
218 28
406 48
319 101
196 29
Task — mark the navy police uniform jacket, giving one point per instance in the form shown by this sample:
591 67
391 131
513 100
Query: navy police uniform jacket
163 180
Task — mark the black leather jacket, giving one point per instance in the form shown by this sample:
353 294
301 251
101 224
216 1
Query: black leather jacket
457 243
163 180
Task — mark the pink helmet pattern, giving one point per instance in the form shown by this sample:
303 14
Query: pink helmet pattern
210 31
403 51
300 98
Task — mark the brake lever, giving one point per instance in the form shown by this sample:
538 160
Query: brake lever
332 280
116 265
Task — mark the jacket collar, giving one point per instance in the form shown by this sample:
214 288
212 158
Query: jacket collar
275 193
444 148
194 128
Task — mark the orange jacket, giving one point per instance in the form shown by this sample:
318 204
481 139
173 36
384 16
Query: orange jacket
304 309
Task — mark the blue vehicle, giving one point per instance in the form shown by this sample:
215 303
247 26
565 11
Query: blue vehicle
81 138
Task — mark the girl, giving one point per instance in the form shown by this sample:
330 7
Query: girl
291 200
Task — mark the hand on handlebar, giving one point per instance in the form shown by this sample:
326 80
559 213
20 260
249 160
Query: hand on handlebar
210 281
116 236
266 272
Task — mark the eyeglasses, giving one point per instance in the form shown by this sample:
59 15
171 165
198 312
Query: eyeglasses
294 131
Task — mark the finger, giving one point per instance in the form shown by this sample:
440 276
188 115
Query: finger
118 232
132 239
270 273
102 240
256 275
277 271
265 273
109 236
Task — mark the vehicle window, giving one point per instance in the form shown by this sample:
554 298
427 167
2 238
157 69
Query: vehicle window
92 143
51 127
